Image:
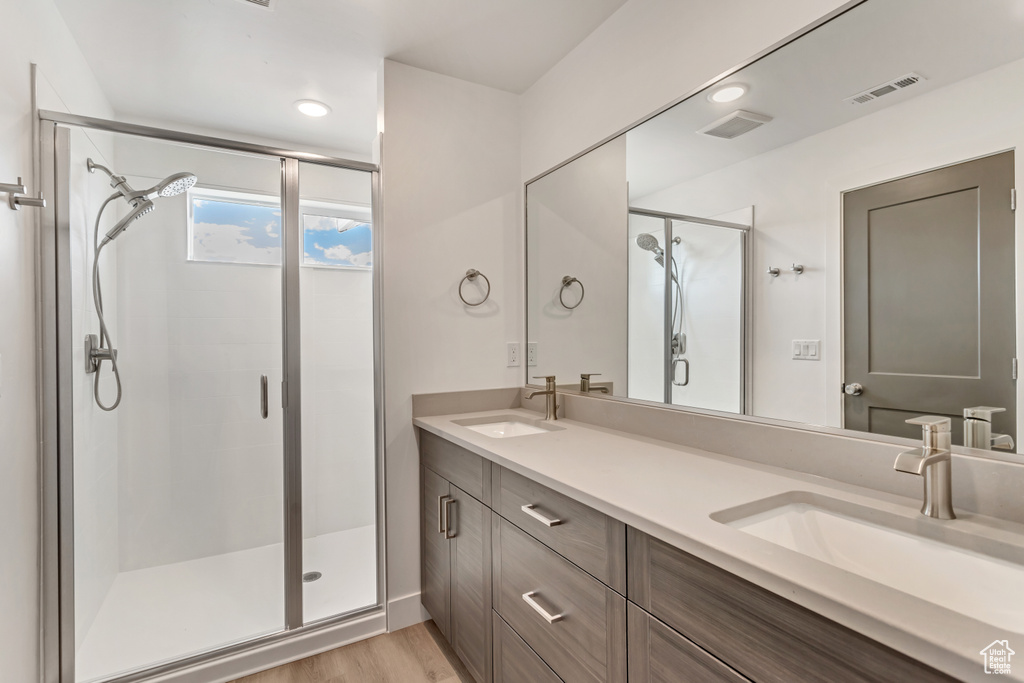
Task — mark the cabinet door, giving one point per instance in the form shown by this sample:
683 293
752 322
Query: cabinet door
657 654
469 526
435 560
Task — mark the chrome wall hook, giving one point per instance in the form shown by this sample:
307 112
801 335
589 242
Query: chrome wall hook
797 268
773 271
16 196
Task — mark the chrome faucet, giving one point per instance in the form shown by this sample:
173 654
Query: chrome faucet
978 429
550 405
932 461
585 383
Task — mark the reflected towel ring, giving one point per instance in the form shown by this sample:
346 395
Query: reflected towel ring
471 275
566 281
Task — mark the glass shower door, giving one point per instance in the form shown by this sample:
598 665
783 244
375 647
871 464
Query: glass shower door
339 491
178 543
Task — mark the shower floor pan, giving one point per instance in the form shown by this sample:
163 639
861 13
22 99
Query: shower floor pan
160 614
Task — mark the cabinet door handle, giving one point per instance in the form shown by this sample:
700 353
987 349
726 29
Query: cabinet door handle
448 518
442 523
530 510
548 617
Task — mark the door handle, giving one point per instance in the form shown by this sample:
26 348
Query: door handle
264 401
675 362
548 617
853 389
530 510
448 518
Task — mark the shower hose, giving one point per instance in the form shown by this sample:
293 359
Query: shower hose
97 297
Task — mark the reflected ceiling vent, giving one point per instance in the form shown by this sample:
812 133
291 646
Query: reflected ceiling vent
884 89
735 124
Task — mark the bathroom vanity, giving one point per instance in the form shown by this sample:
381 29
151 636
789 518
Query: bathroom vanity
575 552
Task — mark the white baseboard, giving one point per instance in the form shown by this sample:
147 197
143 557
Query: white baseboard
406 611
278 653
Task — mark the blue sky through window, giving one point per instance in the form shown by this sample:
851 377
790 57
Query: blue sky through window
237 232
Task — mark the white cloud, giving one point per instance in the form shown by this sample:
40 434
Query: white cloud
217 242
319 223
270 230
342 253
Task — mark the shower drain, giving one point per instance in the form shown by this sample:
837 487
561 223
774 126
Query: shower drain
310 577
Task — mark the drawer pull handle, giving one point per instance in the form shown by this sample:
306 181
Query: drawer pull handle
548 617
529 509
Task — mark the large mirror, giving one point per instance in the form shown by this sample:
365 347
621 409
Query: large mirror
826 236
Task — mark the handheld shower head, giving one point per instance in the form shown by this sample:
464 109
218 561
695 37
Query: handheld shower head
649 242
140 209
175 184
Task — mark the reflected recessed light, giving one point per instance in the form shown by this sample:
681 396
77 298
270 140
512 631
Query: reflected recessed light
312 108
728 93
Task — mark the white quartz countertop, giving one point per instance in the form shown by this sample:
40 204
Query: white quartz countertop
671 491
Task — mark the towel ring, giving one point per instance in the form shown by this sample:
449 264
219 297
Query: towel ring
566 281
471 275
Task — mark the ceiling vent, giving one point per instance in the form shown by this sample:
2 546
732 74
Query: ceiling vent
735 124
884 89
259 3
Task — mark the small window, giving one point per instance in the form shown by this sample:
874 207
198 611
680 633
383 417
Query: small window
336 241
232 227
236 227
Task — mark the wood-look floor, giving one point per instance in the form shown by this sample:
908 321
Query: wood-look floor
414 654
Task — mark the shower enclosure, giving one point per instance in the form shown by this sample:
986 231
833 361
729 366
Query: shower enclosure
687 310
221 492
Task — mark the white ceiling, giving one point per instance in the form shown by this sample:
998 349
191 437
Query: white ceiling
804 84
234 66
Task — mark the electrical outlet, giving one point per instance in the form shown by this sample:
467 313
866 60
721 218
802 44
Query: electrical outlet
531 353
806 349
513 353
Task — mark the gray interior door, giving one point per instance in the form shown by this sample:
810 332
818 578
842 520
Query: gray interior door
929 319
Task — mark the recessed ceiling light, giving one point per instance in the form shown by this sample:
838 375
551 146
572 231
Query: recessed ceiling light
313 108
728 93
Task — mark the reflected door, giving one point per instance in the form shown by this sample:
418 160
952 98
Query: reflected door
929 298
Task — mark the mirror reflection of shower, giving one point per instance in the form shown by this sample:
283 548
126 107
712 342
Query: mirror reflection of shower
99 348
649 242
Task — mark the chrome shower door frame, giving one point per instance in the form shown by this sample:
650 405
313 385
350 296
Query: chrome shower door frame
55 362
669 220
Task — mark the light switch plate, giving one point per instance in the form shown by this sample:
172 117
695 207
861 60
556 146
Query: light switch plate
806 349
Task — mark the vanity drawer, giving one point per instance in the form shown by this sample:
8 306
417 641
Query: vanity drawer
591 539
657 654
514 661
467 470
581 633
763 636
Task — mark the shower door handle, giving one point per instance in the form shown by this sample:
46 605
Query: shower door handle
686 364
264 398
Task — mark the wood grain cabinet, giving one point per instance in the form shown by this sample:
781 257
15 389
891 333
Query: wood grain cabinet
456 569
531 586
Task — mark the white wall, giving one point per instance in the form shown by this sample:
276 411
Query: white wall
37 34
576 226
646 55
796 193
452 202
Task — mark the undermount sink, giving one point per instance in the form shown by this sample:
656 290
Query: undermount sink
975 576
507 426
